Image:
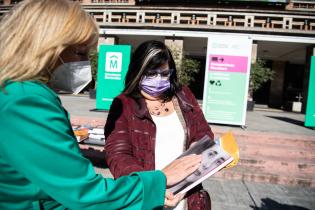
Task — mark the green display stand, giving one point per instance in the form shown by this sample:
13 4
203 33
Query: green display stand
310 107
113 62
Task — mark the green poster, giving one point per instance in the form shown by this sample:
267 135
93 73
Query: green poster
226 80
113 62
226 97
310 108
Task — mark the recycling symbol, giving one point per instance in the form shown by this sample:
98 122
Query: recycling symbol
215 82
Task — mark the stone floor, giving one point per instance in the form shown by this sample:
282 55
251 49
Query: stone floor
227 194
242 195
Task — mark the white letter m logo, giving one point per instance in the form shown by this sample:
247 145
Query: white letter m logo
113 62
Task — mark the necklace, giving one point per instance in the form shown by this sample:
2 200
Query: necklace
157 109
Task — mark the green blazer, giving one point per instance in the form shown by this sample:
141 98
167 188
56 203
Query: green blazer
41 166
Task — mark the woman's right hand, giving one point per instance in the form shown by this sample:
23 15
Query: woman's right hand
180 168
171 200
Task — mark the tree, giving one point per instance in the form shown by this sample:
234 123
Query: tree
259 74
186 68
93 59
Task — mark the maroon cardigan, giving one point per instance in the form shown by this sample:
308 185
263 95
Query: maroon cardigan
130 138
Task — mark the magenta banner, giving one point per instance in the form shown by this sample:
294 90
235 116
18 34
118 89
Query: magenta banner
228 63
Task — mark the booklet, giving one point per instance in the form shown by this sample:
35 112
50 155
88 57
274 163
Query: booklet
89 134
214 158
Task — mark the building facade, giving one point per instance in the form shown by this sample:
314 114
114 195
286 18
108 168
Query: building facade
283 33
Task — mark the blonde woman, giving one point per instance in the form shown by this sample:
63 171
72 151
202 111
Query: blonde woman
44 44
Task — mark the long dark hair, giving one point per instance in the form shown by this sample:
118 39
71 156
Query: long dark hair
150 55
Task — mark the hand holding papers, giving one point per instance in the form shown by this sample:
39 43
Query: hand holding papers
214 158
180 168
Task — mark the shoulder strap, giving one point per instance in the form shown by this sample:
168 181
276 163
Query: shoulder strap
181 119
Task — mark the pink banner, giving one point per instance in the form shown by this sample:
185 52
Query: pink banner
228 63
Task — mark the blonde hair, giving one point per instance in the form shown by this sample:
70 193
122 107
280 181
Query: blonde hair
34 34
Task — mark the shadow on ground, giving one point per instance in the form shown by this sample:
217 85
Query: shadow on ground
98 110
288 120
269 204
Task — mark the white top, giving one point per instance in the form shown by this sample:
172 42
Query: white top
170 137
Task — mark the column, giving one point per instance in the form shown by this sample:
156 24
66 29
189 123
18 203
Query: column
132 2
86 1
107 40
250 103
276 86
254 52
6 2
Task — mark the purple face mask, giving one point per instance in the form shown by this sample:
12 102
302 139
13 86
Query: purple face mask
154 86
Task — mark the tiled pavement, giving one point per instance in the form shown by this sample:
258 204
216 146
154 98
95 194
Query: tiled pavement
228 194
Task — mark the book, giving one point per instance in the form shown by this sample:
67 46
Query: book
81 133
89 135
214 158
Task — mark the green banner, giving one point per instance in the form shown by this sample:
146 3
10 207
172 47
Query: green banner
113 62
310 108
225 98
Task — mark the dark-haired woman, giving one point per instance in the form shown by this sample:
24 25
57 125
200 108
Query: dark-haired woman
154 120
